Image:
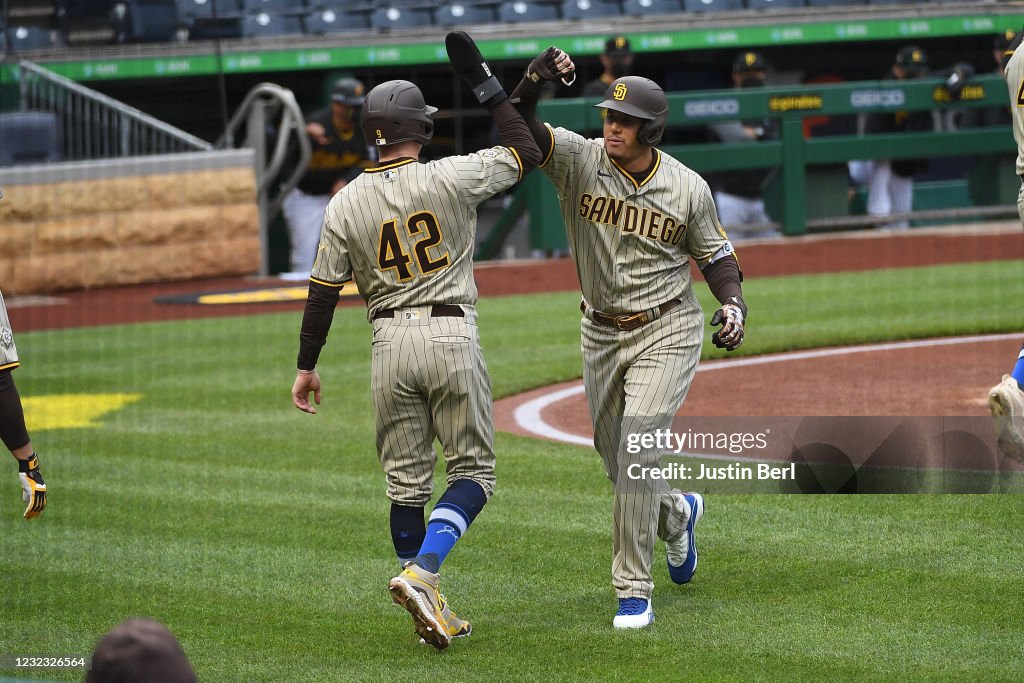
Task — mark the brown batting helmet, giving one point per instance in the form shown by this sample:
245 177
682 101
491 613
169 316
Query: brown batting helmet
395 112
643 98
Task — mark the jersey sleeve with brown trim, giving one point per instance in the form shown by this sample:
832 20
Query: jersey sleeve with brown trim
705 238
332 266
481 175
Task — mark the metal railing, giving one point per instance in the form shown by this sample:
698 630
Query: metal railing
270 107
92 125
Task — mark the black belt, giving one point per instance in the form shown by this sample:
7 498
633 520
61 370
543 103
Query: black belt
436 311
628 322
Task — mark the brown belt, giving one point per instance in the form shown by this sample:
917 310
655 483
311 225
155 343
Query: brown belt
436 311
629 321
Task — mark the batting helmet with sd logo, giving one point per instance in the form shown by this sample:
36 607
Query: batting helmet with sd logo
395 111
643 98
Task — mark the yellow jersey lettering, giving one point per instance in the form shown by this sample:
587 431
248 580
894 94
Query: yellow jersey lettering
585 205
652 229
667 228
680 231
613 213
629 218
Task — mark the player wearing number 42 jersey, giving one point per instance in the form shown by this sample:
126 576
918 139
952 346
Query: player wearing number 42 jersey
635 217
406 232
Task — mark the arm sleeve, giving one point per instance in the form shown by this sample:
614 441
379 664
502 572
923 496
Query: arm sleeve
525 98
316 323
514 134
724 278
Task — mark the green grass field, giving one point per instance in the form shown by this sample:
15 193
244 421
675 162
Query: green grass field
259 535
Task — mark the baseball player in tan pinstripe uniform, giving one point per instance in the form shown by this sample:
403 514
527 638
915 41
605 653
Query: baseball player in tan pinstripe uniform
635 217
405 231
13 432
1006 399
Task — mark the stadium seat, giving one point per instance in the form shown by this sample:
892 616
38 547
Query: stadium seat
274 6
773 4
586 9
264 25
29 137
21 38
639 8
91 22
197 17
461 14
325 21
150 21
519 11
204 9
825 3
387 18
712 5
891 2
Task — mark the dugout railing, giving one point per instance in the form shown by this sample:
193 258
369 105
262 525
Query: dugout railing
807 166
91 125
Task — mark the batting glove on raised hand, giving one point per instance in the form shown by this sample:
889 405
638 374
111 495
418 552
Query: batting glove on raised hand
552 65
731 317
33 488
467 61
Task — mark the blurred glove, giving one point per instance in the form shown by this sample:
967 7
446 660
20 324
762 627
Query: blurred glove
731 317
551 65
960 76
33 488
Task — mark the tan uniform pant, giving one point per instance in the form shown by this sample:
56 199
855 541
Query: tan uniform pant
635 383
429 380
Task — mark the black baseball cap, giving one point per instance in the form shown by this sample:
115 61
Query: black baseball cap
749 61
617 46
348 91
913 59
1004 39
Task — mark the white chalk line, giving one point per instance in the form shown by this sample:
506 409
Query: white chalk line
529 416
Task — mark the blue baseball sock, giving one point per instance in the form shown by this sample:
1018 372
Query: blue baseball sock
452 515
1018 370
407 531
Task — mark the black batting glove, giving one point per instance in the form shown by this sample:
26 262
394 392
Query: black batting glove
551 65
731 317
33 488
474 70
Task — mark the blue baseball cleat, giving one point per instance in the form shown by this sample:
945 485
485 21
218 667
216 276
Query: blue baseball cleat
633 613
682 554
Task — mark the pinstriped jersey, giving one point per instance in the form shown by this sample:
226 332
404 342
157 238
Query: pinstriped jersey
1014 74
406 231
631 241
